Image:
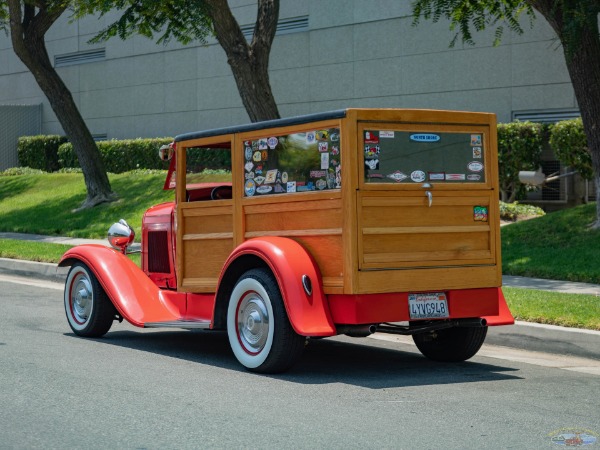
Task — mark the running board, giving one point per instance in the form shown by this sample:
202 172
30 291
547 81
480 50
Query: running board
191 324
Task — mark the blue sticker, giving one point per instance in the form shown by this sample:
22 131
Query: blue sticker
424 137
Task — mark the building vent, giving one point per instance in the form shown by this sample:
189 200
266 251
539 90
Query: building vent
84 57
545 116
284 26
158 252
100 137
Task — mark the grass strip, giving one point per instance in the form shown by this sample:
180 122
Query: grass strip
41 251
554 308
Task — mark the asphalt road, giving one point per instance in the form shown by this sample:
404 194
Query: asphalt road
138 389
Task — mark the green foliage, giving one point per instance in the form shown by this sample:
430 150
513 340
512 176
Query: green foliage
40 152
515 211
467 15
569 143
519 148
15 171
183 20
121 155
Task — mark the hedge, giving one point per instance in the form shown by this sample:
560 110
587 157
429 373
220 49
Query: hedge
519 148
125 155
40 152
569 143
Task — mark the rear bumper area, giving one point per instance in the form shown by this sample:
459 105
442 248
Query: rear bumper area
378 308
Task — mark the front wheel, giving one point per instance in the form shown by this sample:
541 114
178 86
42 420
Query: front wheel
259 331
451 344
89 311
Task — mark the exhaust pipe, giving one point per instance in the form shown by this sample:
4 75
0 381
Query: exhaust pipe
357 330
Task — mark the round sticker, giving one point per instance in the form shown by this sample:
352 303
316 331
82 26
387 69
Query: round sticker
417 176
475 166
264 189
250 188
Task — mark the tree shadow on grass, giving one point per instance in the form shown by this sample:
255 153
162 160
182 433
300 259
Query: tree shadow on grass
367 363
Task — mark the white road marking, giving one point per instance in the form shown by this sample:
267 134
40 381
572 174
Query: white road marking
572 363
33 282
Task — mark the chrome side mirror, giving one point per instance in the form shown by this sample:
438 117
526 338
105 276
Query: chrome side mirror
120 236
165 153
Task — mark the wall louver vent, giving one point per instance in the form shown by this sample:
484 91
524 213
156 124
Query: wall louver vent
545 116
89 56
284 26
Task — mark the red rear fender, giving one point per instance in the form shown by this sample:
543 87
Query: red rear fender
134 295
288 261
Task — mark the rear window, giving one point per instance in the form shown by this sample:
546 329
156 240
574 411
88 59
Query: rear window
418 157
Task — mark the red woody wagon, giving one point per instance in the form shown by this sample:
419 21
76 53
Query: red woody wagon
347 222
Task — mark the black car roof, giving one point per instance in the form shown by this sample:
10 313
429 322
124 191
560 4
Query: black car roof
337 114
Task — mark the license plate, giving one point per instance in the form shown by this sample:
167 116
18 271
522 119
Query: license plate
430 305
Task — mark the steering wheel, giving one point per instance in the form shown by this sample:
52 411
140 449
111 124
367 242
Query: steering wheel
220 193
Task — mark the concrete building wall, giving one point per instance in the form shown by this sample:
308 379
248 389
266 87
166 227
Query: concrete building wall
354 53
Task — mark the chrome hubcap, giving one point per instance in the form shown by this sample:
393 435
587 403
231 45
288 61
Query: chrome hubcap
253 322
81 299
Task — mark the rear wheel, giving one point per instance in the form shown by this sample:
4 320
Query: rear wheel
260 333
451 344
89 311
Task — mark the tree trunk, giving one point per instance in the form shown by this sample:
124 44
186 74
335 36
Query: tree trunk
28 29
583 64
249 62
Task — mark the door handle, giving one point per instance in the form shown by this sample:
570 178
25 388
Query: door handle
429 196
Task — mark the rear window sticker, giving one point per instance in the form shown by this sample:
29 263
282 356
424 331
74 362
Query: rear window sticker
262 144
291 186
259 180
417 176
324 161
323 147
372 164
475 166
397 176
310 137
335 150
424 137
455 177
249 166
278 189
272 142
473 177
284 177
437 176
257 157
371 137
334 137
476 139
476 152
386 134
264 156
318 173
321 184
248 153
371 151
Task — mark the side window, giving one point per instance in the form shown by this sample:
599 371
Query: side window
205 165
208 173
416 157
297 162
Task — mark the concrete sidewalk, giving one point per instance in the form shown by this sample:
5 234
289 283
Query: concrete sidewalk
523 335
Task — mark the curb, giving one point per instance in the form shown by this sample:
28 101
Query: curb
22 268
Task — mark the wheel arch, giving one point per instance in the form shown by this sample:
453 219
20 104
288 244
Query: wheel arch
288 261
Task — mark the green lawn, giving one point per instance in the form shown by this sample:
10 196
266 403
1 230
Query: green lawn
555 308
557 246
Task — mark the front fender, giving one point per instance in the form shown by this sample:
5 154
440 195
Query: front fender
134 295
309 315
